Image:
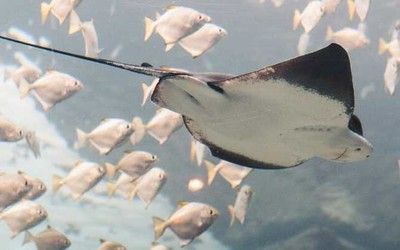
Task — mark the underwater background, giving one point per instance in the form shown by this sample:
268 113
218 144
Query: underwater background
318 205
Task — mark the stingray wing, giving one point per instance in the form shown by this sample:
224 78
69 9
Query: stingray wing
326 72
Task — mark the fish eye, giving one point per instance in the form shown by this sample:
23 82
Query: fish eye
21 132
128 126
211 212
153 157
76 83
40 211
358 149
41 187
26 183
200 17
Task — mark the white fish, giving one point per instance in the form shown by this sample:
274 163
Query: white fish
391 75
188 222
347 37
110 245
83 177
330 5
124 183
175 23
203 39
302 46
52 88
148 90
135 164
232 173
310 16
59 8
38 187
110 134
163 124
23 216
239 209
360 7
149 185
195 185
20 35
13 187
91 40
197 151
10 132
49 239
393 47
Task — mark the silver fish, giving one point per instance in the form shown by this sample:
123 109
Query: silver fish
13 187
203 39
347 37
391 75
51 88
188 222
135 164
49 239
163 124
110 134
83 177
232 173
23 216
239 209
38 187
175 23
149 185
310 16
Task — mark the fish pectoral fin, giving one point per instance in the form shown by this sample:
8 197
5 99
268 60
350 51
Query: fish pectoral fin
185 242
100 149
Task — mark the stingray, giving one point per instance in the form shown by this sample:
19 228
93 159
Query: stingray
277 117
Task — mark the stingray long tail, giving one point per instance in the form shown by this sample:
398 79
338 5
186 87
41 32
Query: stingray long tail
144 69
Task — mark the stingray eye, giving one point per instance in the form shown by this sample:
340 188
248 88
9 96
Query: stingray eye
358 149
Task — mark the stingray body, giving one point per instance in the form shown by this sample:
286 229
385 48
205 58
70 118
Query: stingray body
277 117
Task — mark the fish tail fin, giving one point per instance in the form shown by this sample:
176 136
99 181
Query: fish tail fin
44 11
149 28
383 46
28 237
33 143
169 46
146 93
111 188
296 19
24 88
57 183
139 130
110 169
159 226
212 171
81 138
231 211
329 33
75 23
351 6
132 194
234 183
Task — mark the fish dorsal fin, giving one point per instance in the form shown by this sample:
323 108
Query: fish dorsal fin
127 152
102 241
326 72
170 7
355 125
49 227
181 204
103 120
